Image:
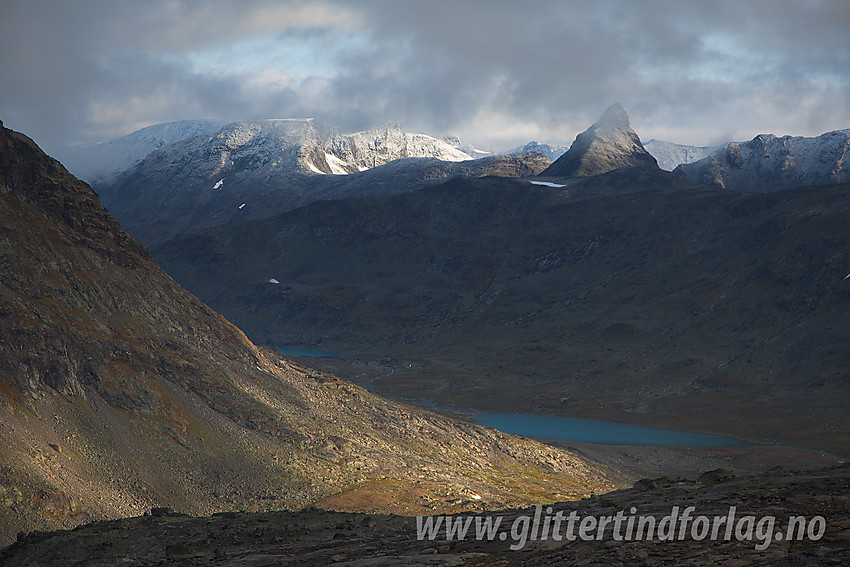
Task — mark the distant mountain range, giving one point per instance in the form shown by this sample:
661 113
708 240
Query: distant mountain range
99 162
180 177
321 149
120 391
251 170
769 163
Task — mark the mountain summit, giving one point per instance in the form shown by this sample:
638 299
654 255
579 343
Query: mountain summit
608 144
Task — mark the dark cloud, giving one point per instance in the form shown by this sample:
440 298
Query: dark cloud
498 73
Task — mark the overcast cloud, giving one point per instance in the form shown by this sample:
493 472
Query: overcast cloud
496 73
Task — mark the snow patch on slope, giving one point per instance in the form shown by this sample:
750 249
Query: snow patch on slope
338 167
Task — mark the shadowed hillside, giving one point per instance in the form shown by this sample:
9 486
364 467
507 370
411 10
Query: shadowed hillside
120 391
634 295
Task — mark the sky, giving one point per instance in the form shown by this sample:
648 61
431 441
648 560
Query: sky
496 73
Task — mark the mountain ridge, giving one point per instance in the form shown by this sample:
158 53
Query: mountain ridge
97 162
329 151
772 163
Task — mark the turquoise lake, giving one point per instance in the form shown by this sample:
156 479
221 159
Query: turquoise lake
580 430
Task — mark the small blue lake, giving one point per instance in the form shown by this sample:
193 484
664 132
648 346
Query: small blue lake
580 430
287 351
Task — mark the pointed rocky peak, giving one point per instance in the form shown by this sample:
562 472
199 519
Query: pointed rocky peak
608 144
614 117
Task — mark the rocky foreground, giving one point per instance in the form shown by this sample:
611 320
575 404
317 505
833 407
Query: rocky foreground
318 537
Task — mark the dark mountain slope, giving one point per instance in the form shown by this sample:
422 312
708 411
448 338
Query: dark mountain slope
633 295
120 391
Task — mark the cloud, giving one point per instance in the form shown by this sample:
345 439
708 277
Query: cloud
494 72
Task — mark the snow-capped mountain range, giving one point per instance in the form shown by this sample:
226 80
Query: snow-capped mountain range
306 145
276 148
329 151
178 177
258 168
769 163
324 150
